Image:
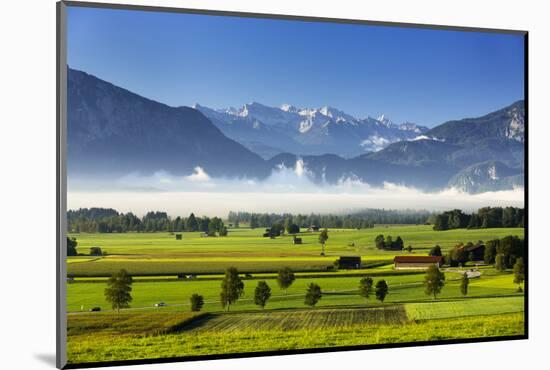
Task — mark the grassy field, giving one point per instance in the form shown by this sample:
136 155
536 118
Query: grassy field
464 307
246 338
160 254
493 307
337 290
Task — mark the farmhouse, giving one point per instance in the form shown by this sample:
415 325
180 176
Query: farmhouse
475 252
416 262
313 228
349 263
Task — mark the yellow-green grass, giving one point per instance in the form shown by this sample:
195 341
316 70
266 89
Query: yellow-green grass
109 347
106 266
162 254
384 270
464 307
337 291
247 241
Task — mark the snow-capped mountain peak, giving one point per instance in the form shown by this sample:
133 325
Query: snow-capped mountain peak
308 130
289 108
385 120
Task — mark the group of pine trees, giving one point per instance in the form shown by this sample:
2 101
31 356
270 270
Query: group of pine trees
487 217
107 220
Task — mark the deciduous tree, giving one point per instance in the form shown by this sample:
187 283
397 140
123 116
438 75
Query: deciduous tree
323 237
434 280
519 273
71 246
313 294
285 278
197 301
435 251
232 287
381 290
118 291
262 294
365 287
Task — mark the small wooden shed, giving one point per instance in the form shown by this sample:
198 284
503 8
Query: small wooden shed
349 262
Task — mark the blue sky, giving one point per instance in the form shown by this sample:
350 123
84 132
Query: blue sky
417 75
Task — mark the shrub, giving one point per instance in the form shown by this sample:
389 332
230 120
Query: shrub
197 301
96 251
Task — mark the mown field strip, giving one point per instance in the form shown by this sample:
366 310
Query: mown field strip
296 320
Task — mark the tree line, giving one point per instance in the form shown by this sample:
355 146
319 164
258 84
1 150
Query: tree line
357 220
119 287
108 220
502 253
487 217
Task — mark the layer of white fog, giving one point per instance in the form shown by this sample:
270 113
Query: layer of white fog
286 190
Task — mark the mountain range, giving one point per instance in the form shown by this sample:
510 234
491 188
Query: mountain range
113 132
307 131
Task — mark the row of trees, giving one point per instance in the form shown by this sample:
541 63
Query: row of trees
108 220
359 220
502 253
367 287
486 217
119 287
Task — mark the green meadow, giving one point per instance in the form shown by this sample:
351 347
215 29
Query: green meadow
492 307
156 254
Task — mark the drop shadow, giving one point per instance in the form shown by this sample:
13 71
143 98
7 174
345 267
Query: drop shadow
46 358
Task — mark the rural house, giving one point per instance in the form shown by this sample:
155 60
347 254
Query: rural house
416 262
313 228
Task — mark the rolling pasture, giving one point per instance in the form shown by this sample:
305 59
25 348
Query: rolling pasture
493 306
336 291
156 254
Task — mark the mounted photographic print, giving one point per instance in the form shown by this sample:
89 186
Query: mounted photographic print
237 185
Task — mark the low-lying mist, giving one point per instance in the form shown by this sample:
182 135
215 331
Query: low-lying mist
286 190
